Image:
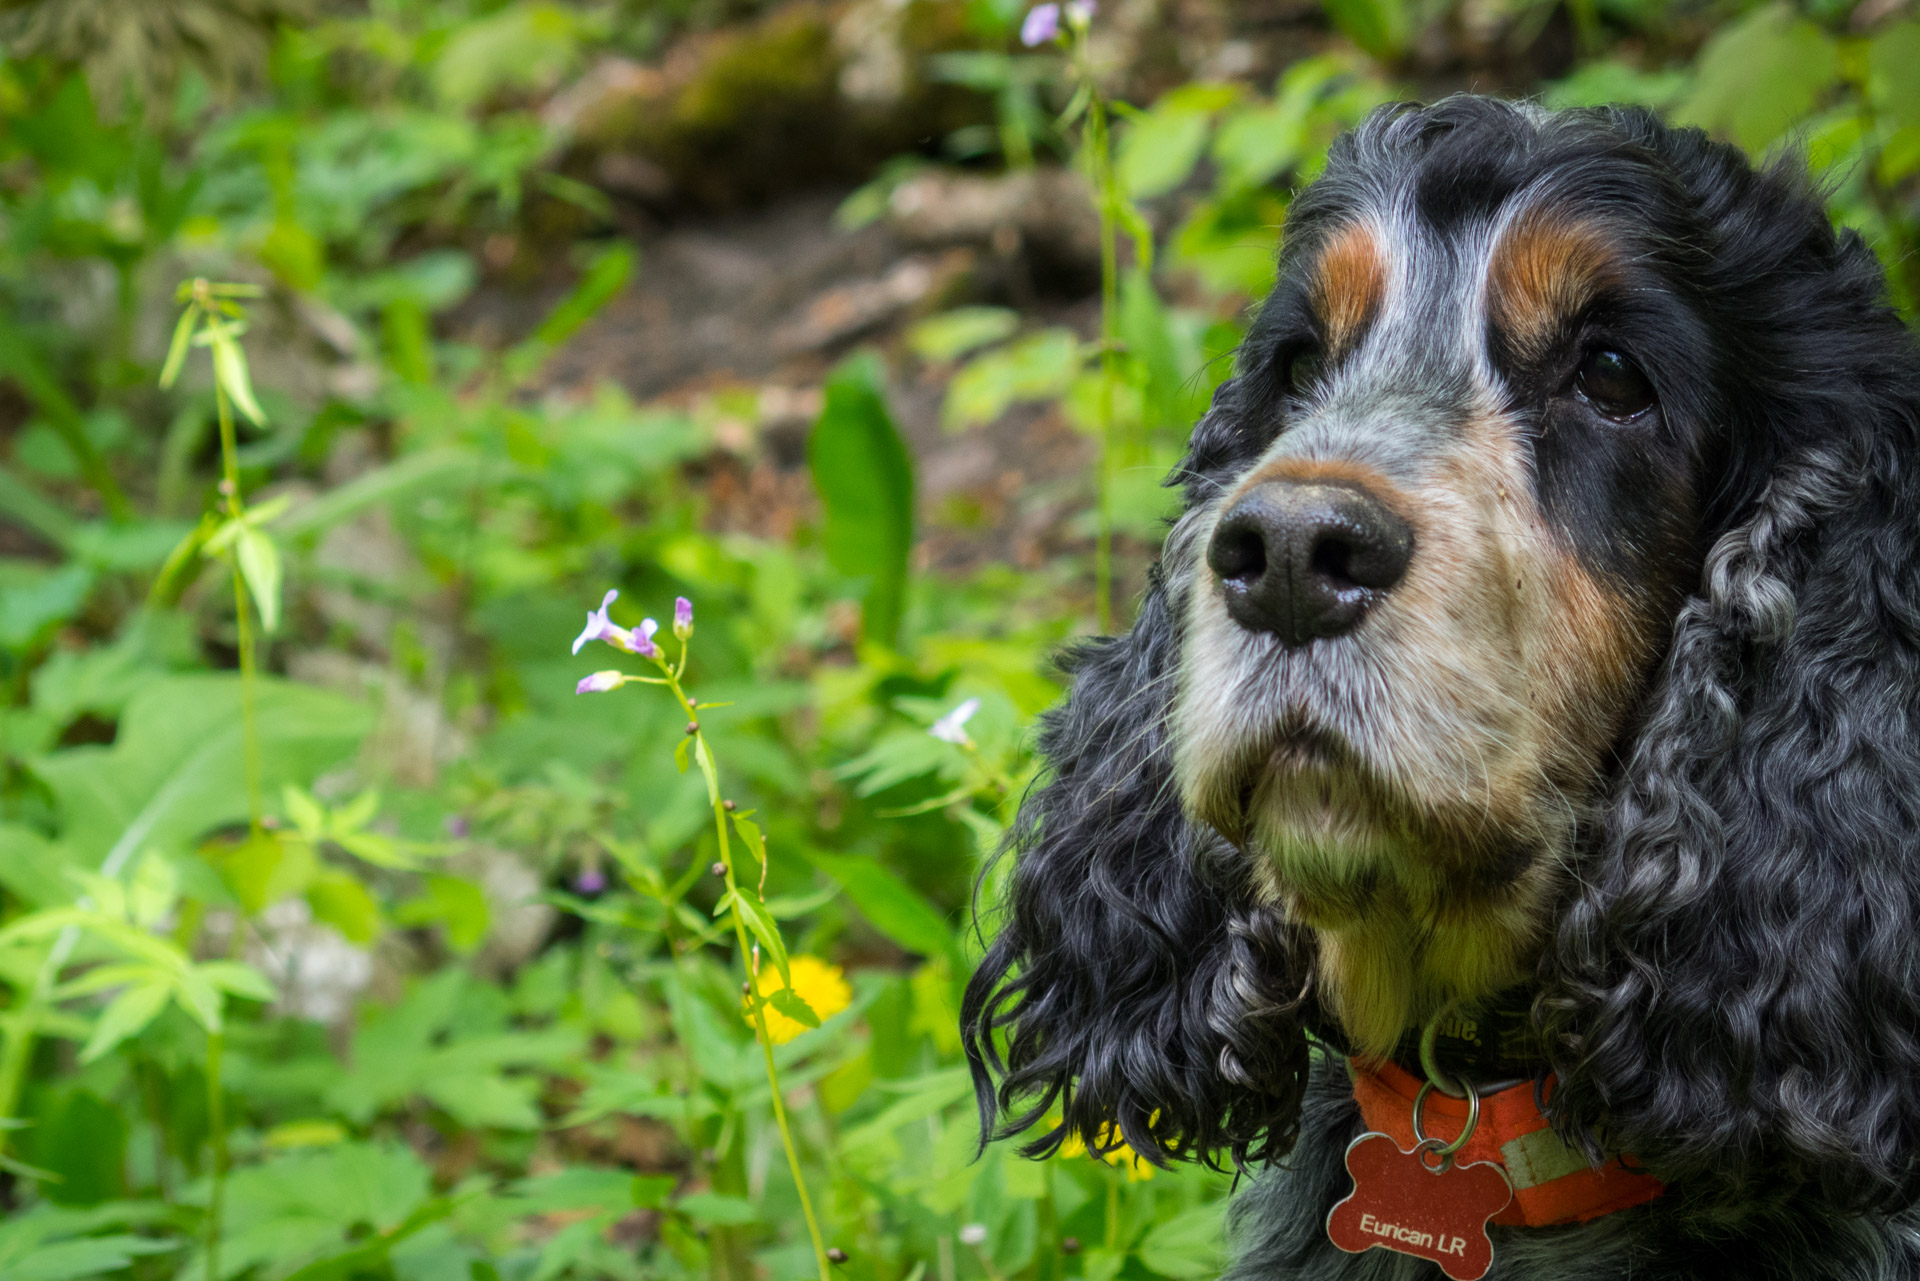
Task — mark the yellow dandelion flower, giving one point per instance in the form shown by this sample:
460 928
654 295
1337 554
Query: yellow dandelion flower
1137 1167
823 986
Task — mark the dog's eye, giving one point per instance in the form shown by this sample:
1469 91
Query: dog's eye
1613 385
1302 368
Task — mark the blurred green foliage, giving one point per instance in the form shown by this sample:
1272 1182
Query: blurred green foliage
476 1020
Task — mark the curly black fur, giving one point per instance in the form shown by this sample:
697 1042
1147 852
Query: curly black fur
1736 988
1133 973
1731 990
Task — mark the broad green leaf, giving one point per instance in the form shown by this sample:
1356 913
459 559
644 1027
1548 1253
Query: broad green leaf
376 848
864 477
182 564
33 869
789 907
259 562
266 867
176 769
586 1187
303 811
456 903
33 601
889 903
178 348
102 977
424 472
1187 1245
341 901
1383 28
1758 76
1161 145
1037 367
124 1016
1257 142
749 832
237 978
522 46
304 1205
84 1257
1599 83
717 1209
25 504
953 334
921 1097
291 1135
358 812
761 926
896 758
80 1139
486 1100
1893 71
230 371
200 999
790 1004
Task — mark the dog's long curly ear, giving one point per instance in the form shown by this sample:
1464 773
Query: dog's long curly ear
1135 982
1734 992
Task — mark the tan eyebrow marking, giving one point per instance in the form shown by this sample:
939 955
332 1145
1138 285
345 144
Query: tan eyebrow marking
1348 282
1546 267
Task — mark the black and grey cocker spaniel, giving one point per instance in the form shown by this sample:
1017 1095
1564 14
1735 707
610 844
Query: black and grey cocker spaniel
1536 667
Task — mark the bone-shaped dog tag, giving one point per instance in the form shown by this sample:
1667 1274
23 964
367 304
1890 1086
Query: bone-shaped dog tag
1434 1212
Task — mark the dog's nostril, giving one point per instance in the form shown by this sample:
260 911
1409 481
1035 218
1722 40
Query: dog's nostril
1305 559
1332 559
1237 553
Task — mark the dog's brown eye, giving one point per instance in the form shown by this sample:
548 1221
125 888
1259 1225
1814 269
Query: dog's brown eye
1613 385
1303 368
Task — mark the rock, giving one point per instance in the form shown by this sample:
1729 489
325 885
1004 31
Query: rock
318 973
1043 215
806 94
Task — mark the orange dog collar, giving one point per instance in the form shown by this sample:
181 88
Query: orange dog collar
1552 1182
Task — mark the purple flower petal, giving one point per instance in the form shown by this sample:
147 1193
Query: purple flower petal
600 627
600 683
952 728
682 617
590 881
640 639
1042 25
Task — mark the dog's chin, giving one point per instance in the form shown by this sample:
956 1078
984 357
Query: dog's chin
1409 912
1324 837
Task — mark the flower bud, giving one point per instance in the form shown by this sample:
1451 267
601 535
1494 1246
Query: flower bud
600 682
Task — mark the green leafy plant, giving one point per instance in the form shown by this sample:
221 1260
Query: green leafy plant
373 951
745 910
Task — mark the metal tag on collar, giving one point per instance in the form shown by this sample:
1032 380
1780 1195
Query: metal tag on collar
1419 1201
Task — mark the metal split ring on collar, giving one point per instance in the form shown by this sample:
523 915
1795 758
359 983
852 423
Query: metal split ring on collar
1438 1080
1445 1150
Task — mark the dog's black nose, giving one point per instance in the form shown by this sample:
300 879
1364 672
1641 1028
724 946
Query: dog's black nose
1303 559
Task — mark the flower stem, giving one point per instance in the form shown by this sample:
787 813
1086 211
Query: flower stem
230 491
1099 145
217 1128
711 775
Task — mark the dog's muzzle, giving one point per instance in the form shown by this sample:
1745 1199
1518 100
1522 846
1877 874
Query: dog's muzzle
1306 559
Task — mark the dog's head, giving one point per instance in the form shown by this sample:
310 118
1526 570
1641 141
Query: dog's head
1544 612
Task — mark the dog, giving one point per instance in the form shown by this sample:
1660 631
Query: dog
1532 680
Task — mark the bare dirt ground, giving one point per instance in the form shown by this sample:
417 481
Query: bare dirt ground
769 301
